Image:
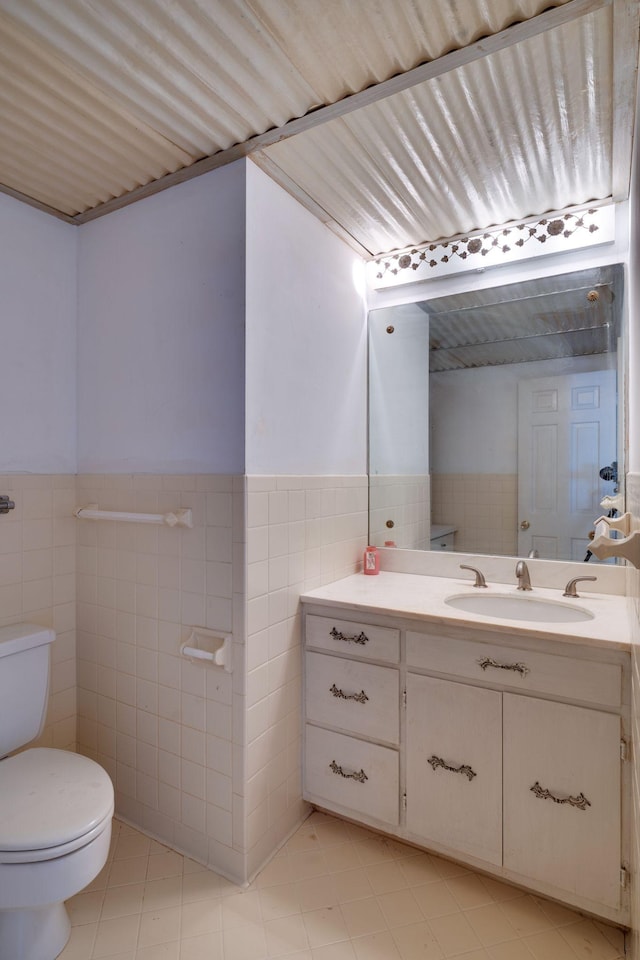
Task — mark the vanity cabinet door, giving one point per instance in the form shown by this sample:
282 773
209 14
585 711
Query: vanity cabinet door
562 796
454 759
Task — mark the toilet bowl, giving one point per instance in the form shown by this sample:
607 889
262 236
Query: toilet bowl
55 827
55 809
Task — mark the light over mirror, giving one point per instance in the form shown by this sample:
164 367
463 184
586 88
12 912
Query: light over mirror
495 425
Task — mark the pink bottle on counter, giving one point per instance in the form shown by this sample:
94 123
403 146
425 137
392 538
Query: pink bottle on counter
371 561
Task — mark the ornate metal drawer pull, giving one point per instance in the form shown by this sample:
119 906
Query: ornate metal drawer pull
520 668
360 777
6 504
358 697
359 638
580 801
465 769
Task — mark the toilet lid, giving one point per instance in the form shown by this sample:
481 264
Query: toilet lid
50 797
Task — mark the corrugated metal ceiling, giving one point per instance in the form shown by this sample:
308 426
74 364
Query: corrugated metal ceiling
101 98
571 315
490 142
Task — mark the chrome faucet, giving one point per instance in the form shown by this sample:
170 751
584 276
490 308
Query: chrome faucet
522 573
480 581
570 589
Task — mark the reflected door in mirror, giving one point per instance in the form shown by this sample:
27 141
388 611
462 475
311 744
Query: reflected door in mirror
566 434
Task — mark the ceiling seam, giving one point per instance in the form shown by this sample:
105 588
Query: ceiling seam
480 49
38 204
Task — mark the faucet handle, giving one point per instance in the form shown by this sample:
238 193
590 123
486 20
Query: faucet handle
570 589
480 581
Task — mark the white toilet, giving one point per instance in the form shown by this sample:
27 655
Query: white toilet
55 808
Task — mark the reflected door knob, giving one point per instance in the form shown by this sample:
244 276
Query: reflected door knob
524 525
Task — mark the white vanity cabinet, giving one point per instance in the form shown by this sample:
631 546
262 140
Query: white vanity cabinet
503 751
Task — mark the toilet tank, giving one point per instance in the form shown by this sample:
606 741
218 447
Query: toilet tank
24 683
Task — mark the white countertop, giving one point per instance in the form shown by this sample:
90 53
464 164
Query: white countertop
423 598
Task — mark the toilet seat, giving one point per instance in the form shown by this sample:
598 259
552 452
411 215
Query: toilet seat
51 803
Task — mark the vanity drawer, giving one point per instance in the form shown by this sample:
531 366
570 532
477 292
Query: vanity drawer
359 697
350 636
362 777
530 670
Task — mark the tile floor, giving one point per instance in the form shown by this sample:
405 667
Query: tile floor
334 892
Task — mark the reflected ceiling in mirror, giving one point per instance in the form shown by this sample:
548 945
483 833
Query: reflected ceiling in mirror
494 422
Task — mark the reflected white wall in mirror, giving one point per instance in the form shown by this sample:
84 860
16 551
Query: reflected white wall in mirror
399 427
499 436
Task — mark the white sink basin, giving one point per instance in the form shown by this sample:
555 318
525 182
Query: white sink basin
518 607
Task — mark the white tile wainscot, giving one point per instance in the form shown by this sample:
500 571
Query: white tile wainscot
499 743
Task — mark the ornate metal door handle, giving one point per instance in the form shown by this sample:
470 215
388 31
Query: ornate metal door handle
356 638
358 697
520 668
580 801
361 776
465 769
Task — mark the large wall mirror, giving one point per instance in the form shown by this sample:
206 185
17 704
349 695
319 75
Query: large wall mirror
495 417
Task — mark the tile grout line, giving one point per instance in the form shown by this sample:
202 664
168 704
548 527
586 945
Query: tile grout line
380 866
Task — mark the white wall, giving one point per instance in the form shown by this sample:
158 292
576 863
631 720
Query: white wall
306 341
161 332
399 391
38 350
474 413
633 505
633 302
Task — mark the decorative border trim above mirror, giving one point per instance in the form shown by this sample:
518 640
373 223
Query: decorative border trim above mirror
557 233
